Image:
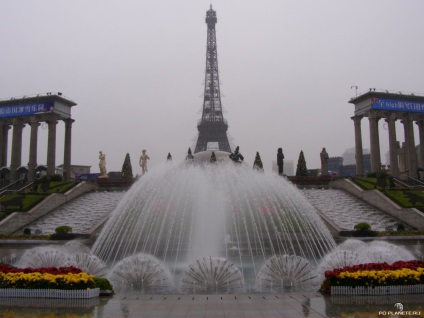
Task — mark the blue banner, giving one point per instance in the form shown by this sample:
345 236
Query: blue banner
397 105
26 109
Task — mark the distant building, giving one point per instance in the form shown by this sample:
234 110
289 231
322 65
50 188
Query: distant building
334 164
288 168
313 172
347 171
337 166
349 155
350 170
76 170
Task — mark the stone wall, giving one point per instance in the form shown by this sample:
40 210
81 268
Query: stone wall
410 216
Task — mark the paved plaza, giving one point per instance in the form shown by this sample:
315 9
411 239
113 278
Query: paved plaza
241 305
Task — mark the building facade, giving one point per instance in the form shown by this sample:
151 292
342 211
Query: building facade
390 107
18 113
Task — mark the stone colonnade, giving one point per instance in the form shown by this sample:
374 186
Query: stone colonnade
410 155
18 123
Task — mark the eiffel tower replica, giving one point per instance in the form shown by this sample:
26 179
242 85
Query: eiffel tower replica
212 126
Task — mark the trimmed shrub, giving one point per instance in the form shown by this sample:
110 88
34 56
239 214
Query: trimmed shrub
63 229
362 226
56 178
381 174
103 283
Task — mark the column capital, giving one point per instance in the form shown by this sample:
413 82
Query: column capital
375 114
391 118
52 119
5 124
34 121
6 121
357 119
68 121
420 123
17 122
406 116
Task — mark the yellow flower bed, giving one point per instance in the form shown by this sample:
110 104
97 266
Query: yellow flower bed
404 276
46 280
400 273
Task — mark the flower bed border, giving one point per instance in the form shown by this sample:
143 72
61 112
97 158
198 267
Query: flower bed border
377 290
49 293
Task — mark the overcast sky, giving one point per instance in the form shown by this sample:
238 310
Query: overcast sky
136 71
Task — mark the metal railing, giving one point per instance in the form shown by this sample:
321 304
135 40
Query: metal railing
409 182
382 90
11 188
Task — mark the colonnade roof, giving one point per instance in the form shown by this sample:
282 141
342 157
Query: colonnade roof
55 97
41 107
385 103
386 94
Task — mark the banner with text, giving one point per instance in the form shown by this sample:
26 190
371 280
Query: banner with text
26 109
397 105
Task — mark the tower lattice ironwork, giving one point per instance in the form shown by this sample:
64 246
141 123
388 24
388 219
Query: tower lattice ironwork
212 126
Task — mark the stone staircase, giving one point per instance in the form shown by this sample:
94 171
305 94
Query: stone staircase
18 220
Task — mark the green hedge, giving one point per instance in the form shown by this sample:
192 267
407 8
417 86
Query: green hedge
55 187
20 202
406 198
403 197
25 237
366 183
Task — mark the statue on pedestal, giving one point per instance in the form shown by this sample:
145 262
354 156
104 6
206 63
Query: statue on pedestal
280 161
189 159
102 165
143 161
236 156
324 162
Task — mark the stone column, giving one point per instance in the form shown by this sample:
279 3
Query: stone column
51 146
394 164
413 167
32 163
374 142
410 154
405 147
4 138
402 158
2 148
67 150
16 158
420 125
359 156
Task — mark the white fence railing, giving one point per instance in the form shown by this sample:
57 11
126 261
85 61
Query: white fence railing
377 290
49 293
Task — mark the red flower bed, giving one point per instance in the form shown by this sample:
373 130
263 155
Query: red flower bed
375 274
4 268
376 266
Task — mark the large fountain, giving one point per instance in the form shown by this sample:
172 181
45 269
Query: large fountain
211 227
221 227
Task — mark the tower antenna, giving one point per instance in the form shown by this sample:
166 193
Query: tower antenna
356 89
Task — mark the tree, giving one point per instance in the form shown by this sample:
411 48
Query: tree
126 172
301 170
257 165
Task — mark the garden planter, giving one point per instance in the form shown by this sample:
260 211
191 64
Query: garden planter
49 293
377 290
